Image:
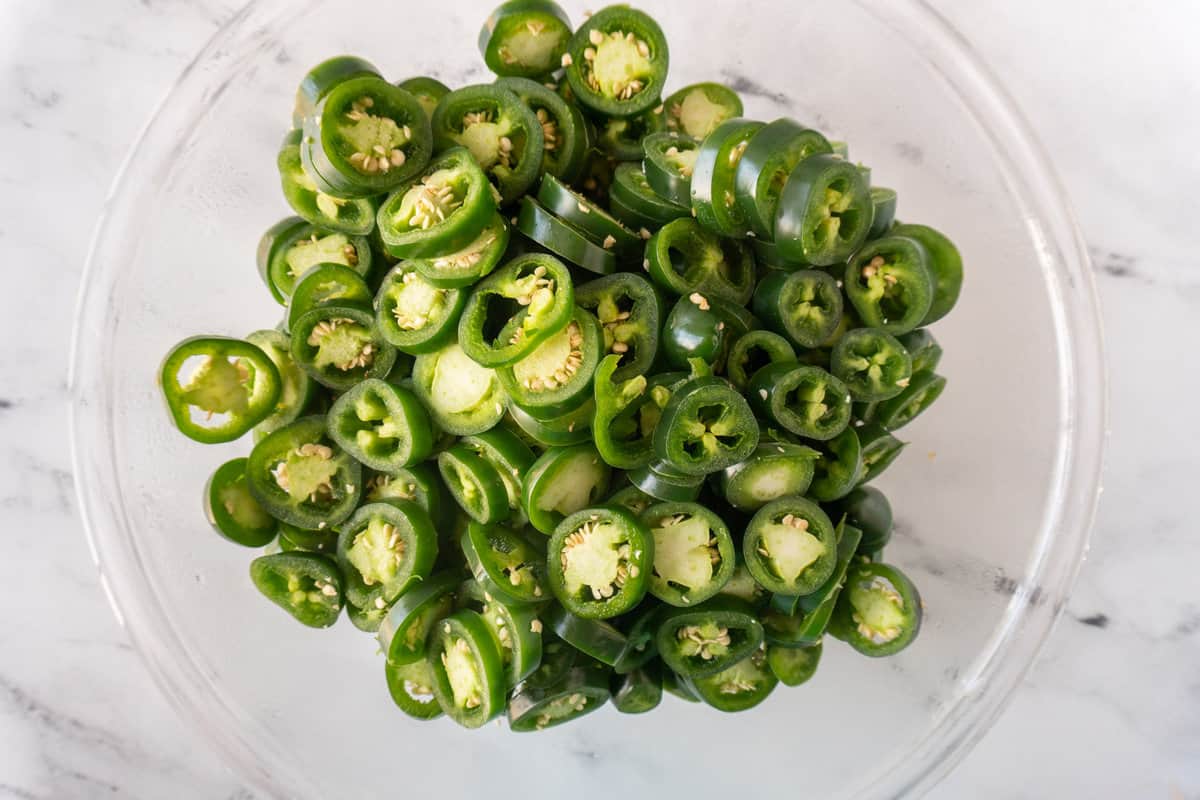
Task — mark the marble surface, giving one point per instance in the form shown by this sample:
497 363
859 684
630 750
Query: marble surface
1111 708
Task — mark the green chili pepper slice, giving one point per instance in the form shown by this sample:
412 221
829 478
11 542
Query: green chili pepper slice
344 215
739 687
709 638
462 396
824 211
592 220
305 585
713 177
292 247
872 363
879 450
573 427
620 138
694 554
506 563
670 159
922 391
925 351
385 548
627 412
382 426
525 38
885 201
632 498
296 390
404 630
794 666
327 284
414 315
705 427
805 306
663 482
801 621
564 130
319 80
428 91
596 638
468 673
630 310
878 612
637 692
419 483
685 258
868 509
556 376
411 689
582 690
339 346
698 109
561 482
754 350
945 268
890 284
770 158
617 61
804 400
599 562
232 510
772 471
635 203
703 327
563 239
839 467
790 546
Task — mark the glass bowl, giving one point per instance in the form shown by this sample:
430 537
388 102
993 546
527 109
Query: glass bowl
994 497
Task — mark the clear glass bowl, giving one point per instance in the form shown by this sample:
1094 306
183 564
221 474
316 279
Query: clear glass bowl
994 496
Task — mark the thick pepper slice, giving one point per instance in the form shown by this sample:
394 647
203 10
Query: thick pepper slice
698 109
293 246
945 268
503 134
805 306
232 510
532 294
355 217
790 546
404 631
711 637
626 414
879 610
411 688
922 391
385 548
634 202
801 621
885 201
537 705
804 400
683 257
412 314
839 467
564 129
507 564
824 211
561 482
700 327
525 38
713 177
705 427
890 284
739 687
630 310
599 562
573 427
382 426
769 159
469 679
462 397
694 554
475 484
774 470
217 389
670 160
339 346
428 91
752 351
617 62
872 363
588 217
556 376
306 585
563 239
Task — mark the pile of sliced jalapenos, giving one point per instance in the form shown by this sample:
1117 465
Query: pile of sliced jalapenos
580 386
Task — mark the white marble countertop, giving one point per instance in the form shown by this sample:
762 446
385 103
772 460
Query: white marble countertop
1110 711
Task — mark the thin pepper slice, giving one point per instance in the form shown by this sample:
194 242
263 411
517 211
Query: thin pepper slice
305 585
216 388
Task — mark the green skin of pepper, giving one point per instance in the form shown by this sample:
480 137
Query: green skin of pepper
945 267
907 261
800 206
922 391
567 159
879 450
629 188
712 689
868 509
355 217
679 416
319 80
770 157
835 480
594 637
326 283
713 177
262 395
820 526
573 427
776 349
637 692
587 684
418 557
588 217
611 399
692 331
662 174
429 596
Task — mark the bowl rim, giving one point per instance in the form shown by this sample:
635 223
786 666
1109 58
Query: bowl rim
1035 606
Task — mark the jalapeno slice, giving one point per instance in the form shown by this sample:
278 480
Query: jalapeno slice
945 268
922 391
824 212
525 38
411 689
319 80
705 427
380 425
462 396
296 390
794 666
327 284
711 637
518 634
694 554
772 471
872 363
216 389
573 427
383 549
467 265
592 220
506 563
322 541
884 201
419 483
595 638
805 306
405 628
512 459
428 91
515 309
889 283
617 62
670 161
468 674
632 498
365 138
599 562
441 212
703 327
685 258
754 350
581 690
925 351
564 130
878 612
698 109
305 585
630 310
639 627
804 400
627 412
663 482
292 247
713 177
339 346
790 546
502 133
563 239
635 203
620 138
557 375
868 509
412 314
344 215
637 692
772 155
879 450
801 621
232 510
739 687
839 467
561 482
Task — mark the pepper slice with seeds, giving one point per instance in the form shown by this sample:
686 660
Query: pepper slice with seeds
878 612
790 546
922 391
327 284
515 309
713 177
462 397
411 688
344 215
599 562
739 687
561 482
582 689
525 38
474 483
754 350
945 268
506 563
705 427
306 585
620 138
805 305
297 391
564 129
801 620
216 388
872 363
301 477
405 629
670 159
365 138
293 246
694 554
557 375
634 201
627 412
443 211
601 227
630 309
468 264
468 673
801 399
774 470
381 425
385 548
428 91
683 258
770 158
704 640
824 211
321 79
232 510
839 467
617 62
503 135
890 284
414 315
573 427
638 691
512 459
339 346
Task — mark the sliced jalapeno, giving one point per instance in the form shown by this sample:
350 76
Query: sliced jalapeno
217 389
412 314
630 310
670 160
697 110
557 375
620 138
680 687
739 687
404 630
292 247
754 350
772 155
868 509
890 284
884 200
805 306
462 397
702 327
685 258
838 468
922 391
573 427
596 638
506 563
305 585
475 484
713 177
711 637
327 284
639 627
601 227
945 268
794 666
411 688
296 390
694 554
468 673
804 400
824 212
232 510
564 130
319 80
878 612
663 482
518 633
322 541
801 621
344 215
925 351
879 450
383 549
617 62
382 426
512 459
563 239
635 203
428 91
339 346
790 546
743 587
503 134
632 498
627 412
561 482
525 37
599 562
772 471
705 427
581 690
637 692
441 212
872 363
